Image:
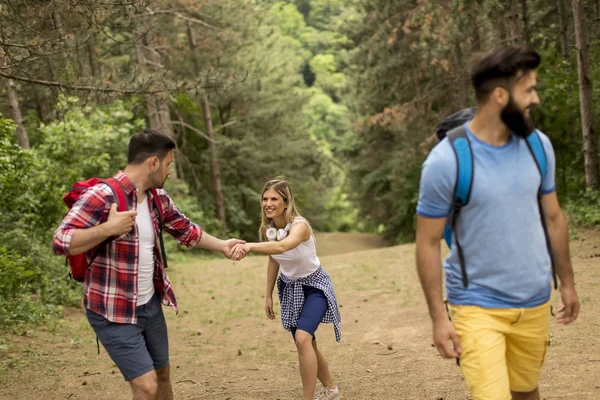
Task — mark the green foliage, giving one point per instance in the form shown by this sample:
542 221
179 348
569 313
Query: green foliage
339 96
325 68
288 20
33 282
584 210
188 204
407 69
558 117
328 122
30 278
342 214
86 142
272 125
322 12
17 274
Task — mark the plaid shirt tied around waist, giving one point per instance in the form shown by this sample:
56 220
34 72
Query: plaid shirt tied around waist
291 298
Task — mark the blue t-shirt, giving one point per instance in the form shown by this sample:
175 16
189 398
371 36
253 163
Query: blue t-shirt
500 230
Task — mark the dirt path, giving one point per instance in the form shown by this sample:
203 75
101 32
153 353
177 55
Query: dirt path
223 347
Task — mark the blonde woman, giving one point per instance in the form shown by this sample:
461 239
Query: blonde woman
305 290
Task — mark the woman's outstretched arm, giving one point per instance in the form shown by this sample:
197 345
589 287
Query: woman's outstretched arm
298 233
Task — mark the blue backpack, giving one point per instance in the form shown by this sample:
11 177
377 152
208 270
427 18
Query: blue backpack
453 128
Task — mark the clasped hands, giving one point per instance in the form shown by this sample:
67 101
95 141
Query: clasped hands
235 249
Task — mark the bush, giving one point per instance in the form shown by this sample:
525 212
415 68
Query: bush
33 282
87 142
584 210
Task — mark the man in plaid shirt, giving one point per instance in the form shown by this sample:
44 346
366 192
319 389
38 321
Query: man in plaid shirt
127 282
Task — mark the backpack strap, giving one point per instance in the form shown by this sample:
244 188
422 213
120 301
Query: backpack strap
119 193
158 205
462 189
161 225
536 148
464 158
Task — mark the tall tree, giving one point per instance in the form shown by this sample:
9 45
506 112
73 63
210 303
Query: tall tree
473 12
16 113
525 19
590 143
159 113
215 168
564 39
152 109
13 102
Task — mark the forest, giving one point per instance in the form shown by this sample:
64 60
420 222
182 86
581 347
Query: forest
341 97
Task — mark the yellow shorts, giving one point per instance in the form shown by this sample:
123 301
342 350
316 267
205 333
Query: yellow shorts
502 349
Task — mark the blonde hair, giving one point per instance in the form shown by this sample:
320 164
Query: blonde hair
282 187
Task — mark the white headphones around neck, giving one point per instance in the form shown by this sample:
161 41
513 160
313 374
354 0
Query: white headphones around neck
277 234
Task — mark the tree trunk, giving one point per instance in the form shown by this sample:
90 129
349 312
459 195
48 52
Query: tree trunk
476 44
564 40
16 114
80 70
215 168
159 112
463 96
525 19
164 116
163 111
178 160
503 31
38 106
507 24
90 53
11 93
564 45
597 19
192 42
151 108
590 146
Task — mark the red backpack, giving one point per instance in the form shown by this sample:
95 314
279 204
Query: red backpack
79 263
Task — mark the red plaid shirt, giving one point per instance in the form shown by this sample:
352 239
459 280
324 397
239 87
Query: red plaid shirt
111 283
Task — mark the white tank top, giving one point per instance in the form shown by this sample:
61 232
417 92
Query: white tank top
300 261
146 253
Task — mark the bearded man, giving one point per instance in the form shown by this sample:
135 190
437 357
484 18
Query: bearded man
498 281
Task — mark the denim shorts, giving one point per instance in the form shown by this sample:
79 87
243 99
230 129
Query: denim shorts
139 348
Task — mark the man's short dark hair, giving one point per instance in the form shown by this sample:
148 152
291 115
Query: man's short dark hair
146 144
500 67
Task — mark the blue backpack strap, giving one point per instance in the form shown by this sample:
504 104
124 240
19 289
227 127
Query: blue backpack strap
459 142
448 234
464 164
536 148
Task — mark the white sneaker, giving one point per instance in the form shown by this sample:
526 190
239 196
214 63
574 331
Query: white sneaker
328 394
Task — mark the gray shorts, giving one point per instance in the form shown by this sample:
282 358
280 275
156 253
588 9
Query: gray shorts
139 348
